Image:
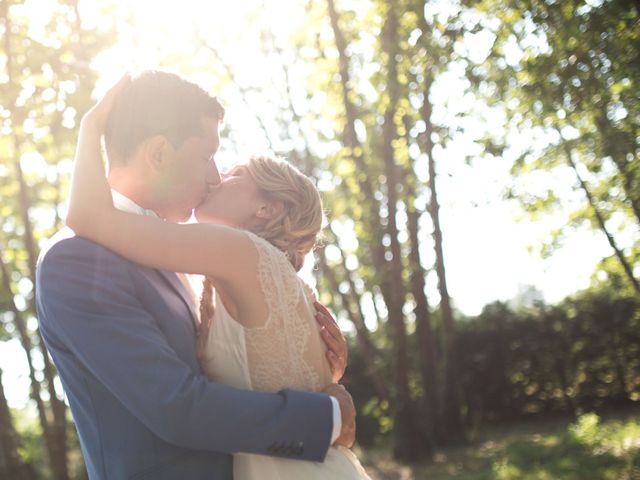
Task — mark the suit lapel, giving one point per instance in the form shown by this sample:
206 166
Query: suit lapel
126 204
173 280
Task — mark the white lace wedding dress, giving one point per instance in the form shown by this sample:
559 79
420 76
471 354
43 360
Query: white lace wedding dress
286 352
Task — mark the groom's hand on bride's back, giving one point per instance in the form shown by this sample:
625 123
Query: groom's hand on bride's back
347 435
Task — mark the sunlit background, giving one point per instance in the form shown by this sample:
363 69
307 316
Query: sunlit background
161 35
267 61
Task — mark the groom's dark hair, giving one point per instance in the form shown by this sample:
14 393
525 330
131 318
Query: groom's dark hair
157 103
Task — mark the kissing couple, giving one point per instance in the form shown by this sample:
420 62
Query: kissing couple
243 385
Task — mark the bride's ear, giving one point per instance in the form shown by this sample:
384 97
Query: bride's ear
270 209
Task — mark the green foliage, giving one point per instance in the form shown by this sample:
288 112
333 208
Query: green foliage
378 410
45 85
32 448
590 448
565 70
527 359
586 430
577 356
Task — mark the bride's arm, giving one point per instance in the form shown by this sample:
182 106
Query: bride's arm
90 192
221 252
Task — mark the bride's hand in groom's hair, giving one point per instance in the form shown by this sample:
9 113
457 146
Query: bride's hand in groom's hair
97 116
337 351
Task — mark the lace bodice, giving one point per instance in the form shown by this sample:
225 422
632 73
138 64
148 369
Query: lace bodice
286 351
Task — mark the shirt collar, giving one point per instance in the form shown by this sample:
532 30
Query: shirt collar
127 205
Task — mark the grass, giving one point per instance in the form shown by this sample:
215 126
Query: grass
590 448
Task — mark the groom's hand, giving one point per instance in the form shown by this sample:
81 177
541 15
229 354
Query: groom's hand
347 412
337 352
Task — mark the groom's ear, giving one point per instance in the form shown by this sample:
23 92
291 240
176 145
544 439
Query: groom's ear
155 150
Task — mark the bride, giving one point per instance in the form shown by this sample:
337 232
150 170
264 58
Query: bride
255 227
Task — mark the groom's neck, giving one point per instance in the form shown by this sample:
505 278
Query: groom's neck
134 186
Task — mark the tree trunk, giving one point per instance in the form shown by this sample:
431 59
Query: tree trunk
407 442
409 439
613 138
368 349
619 255
561 353
451 401
25 341
617 352
426 340
451 398
11 466
55 433
350 137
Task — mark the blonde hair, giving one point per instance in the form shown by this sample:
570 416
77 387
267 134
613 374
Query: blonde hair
294 230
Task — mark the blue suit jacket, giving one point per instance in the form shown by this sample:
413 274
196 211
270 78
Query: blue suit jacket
122 337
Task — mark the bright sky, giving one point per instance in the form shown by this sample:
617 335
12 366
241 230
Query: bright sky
489 254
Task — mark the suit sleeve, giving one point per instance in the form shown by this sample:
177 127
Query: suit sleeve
91 308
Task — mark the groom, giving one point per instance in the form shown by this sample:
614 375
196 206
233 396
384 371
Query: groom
123 336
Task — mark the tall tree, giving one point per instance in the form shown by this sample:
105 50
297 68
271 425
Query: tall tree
46 86
11 465
451 402
376 185
410 443
567 70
